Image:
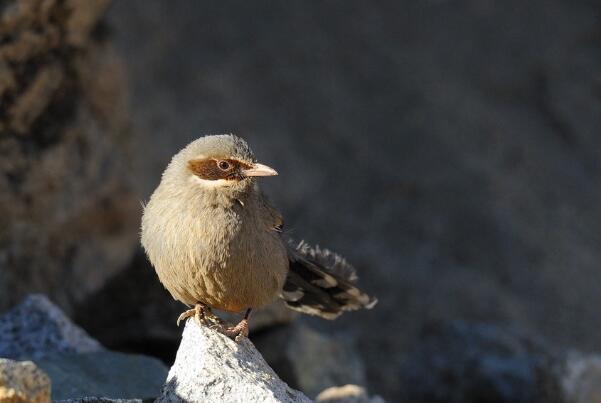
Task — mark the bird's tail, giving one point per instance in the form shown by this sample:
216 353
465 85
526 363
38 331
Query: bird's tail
321 283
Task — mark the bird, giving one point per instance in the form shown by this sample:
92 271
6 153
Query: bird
216 242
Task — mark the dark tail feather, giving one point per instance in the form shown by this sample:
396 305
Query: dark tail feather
321 283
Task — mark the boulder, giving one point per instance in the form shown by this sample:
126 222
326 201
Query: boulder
68 215
37 327
77 365
23 382
210 367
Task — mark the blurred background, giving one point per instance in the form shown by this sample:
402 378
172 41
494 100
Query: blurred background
449 149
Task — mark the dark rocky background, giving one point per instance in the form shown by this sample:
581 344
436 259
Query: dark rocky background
450 149
68 209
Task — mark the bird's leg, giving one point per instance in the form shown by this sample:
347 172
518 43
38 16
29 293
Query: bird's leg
240 330
201 313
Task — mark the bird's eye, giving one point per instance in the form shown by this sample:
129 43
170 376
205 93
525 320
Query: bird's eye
224 165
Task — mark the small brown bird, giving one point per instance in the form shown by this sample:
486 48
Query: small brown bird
216 242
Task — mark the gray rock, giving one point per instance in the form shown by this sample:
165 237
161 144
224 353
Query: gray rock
36 328
104 373
77 364
462 362
212 368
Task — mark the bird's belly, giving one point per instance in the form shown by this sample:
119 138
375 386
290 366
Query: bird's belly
243 283
242 275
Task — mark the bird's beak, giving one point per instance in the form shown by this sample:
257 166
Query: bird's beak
259 170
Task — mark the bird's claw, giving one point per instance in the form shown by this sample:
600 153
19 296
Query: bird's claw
237 332
241 335
201 314
185 315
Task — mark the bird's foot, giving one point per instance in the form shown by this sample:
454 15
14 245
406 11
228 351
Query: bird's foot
202 314
240 330
185 315
236 332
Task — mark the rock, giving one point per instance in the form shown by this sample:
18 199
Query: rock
68 214
462 362
210 367
104 373
581 379
37 328
77 364
346 394
309 360
23 382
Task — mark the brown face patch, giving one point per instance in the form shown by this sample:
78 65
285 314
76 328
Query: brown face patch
213 169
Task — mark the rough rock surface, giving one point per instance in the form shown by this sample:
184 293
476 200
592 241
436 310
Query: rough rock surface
68 217
36 328
77 364
23 382
211 367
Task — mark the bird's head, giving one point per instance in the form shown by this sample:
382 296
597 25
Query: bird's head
223 162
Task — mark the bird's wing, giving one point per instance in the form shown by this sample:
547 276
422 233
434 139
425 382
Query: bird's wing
321 283
273 217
